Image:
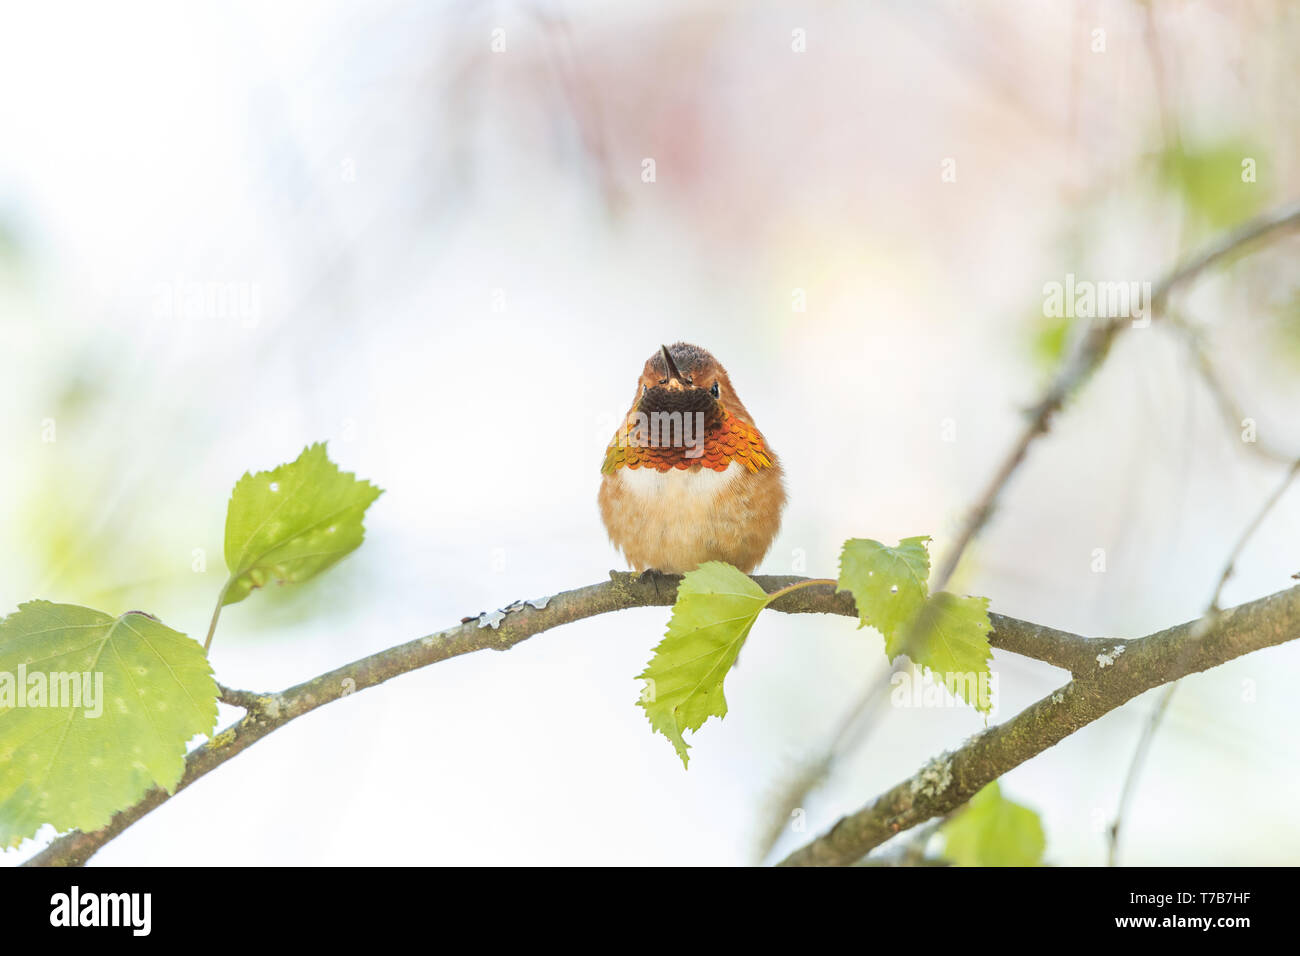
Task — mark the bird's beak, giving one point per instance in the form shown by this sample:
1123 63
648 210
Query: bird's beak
673 374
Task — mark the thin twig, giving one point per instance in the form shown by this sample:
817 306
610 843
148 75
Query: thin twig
1089 352
246 699
1233 414
1135 769
1212 614
1230 567
949 780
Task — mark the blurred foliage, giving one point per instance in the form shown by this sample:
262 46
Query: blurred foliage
1208 179
994 831
1286 329
11 248
81 535
78 544
1048 335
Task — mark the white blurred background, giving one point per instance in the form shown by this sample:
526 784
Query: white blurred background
228 230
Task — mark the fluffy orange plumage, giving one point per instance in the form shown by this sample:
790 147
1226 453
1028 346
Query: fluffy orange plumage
688 477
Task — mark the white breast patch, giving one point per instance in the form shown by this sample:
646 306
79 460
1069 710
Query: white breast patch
681 491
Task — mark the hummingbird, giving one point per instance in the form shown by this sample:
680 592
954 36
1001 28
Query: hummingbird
688 477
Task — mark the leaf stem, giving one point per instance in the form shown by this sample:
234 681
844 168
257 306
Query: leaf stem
216 613
781 592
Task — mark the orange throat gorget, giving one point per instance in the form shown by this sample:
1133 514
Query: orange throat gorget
725 439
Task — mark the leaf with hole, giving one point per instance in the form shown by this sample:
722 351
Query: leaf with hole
945 634
888 584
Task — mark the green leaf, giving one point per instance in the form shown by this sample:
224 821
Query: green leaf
946 634
888 584
952 640
716 606
290 524
993 831
75 764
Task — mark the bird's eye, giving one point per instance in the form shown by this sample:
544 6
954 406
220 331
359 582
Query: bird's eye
644 389
715 390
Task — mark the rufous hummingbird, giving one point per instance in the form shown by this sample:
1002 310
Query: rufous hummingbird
688 476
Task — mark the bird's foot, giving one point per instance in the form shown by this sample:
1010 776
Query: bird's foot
661 581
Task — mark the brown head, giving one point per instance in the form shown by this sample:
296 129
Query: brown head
685 414
686 378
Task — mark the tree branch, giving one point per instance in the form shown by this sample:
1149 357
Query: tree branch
1092 350
1094 344
950 780
520 621
1211 614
